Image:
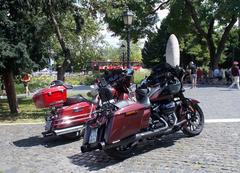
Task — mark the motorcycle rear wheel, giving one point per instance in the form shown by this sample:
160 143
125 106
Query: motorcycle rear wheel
120 153
195 124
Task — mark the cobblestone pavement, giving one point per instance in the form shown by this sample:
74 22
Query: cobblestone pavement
217 102
216 149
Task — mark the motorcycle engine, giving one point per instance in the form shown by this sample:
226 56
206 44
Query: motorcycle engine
167 111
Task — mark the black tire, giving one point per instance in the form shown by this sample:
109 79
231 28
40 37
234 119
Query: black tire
195 124
72 136
120 153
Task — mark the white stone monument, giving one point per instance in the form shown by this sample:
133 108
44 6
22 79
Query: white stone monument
172 51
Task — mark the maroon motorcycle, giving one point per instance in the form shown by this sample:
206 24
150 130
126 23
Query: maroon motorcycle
69 114
161 109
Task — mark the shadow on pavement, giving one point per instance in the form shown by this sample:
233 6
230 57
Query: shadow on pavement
97 160
93 161
47 142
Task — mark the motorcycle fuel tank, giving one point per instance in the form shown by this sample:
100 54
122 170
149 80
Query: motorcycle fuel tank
129 119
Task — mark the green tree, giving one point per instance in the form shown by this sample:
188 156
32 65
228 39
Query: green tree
155 47
56 11
232 50
136 55
84 46
22 41
211 20
144 17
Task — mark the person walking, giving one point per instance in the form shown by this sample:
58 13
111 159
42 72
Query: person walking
193 72
228 76
235 74
25 80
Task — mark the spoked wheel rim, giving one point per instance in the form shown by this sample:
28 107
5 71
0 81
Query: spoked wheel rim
195 121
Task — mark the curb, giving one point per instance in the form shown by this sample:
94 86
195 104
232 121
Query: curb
13 124
207 121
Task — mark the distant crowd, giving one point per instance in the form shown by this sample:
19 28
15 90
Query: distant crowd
217 76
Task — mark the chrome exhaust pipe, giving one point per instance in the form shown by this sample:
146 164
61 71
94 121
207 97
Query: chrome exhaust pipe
153 133
68 130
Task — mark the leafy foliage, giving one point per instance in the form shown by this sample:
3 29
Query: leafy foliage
143 21
22 41
202 27
211 22
155 47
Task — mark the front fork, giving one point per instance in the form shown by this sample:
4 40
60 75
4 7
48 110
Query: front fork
187 110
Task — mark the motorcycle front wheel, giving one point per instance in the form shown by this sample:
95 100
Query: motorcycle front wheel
121 152
195 123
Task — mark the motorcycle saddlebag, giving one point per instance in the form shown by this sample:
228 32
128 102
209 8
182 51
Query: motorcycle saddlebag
76 114
49 97
128 120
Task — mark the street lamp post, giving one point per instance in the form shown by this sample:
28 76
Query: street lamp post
128 18
122 50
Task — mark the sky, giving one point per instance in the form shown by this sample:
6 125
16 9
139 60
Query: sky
115 41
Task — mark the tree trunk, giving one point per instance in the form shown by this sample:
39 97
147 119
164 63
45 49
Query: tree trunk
223 40
67 56
60 74
10 91
214 51
62 69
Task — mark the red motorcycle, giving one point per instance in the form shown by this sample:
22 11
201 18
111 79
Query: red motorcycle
161 109
69 114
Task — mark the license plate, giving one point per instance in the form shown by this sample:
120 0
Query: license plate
93 136
48 125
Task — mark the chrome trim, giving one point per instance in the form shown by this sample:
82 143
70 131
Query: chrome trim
72 117
68 130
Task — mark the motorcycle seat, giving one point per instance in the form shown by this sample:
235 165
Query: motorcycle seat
73 100
142 97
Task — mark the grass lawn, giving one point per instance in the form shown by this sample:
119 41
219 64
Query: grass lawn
28 112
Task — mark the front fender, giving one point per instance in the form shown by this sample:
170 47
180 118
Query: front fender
193 101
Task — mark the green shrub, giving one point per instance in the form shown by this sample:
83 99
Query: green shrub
140 75
38 82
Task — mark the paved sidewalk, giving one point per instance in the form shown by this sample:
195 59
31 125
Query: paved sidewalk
217 149
217 102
